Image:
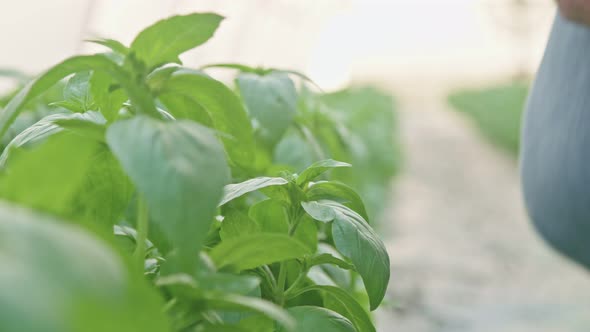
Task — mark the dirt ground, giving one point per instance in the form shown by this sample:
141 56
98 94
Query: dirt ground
464 258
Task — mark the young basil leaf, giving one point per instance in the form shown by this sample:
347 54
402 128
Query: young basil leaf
340 301
235 190
319 211
108 97
339 192
271 100
69 279
181 173
114 45
223 107
77 95
310 318
48 79
250 251
165 40
317 169
355 239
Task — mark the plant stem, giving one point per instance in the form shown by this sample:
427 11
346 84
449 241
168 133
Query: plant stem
280 296
295 284
142 232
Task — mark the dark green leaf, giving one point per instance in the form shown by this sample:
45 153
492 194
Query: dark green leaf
343 303
223 107
69 279
271 216
317 169
252 304
319 319
165 40
235 190
180 169
271 100
208 284
248 252
355 239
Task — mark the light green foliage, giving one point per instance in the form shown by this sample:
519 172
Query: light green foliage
173 204
496 111
58 278
367 122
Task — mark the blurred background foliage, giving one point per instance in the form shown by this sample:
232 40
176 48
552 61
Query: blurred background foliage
496 111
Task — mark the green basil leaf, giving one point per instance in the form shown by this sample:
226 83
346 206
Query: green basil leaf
235 190
250 251
108 100
165 40
310 318
252 304
208 284
242 68
223 107
181 173
317 169
271 100
339 192
114 45
330 259
271 216
235 224
355 239
319 211
343 303
83 127
104 195
64 159
48 79
69 279
43 129
77 95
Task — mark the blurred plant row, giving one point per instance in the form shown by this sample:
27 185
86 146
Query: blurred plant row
496 111
141 195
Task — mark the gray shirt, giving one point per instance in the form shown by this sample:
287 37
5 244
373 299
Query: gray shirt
555 157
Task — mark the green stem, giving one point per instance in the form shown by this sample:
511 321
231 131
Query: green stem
280 297
142 233
295 284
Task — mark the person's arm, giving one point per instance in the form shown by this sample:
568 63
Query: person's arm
575 10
